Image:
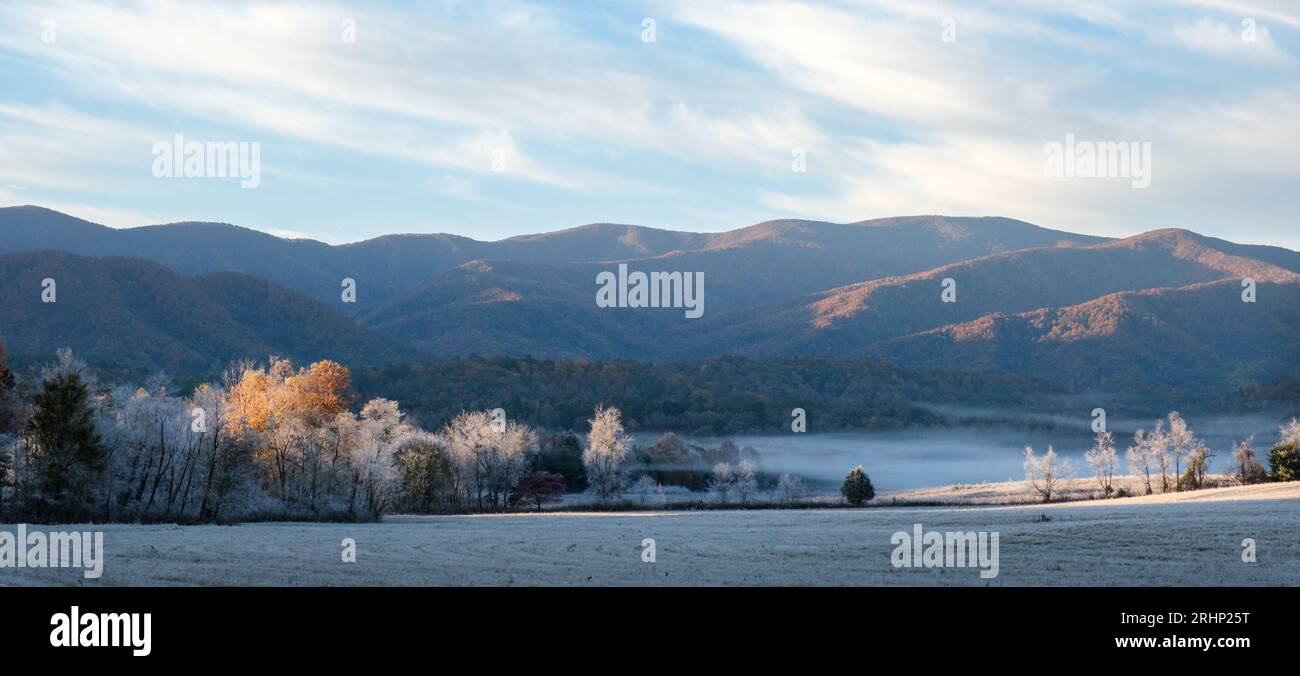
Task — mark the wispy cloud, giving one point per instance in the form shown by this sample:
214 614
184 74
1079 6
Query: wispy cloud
523 116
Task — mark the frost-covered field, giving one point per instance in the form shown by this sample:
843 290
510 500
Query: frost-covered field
1177 539
1017 493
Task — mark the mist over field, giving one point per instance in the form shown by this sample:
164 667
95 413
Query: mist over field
916 458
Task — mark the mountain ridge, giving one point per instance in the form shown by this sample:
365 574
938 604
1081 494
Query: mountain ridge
388 265
1029 300
139 315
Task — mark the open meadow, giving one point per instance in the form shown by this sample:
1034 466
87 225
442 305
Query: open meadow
1176 539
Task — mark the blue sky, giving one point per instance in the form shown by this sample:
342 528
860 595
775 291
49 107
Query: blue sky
898 107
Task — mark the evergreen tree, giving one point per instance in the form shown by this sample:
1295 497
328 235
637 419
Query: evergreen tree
562 454
10 423
857 487
66 450
10 414
1284 461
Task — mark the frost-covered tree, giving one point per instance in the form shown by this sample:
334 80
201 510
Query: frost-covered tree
1284 459
272 440
723 480
1246 468
1198 463
1046 475
167 457
645 488
303 432
1139 459
790 488
381 430
515 449
426 478
225 468
1103 459
153 450
607 449
1290 432
1158 451
1180 441
469 437
489 456
746 481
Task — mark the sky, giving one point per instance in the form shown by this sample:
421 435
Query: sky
493 119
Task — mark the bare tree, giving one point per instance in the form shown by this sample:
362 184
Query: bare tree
1103 459
1045 476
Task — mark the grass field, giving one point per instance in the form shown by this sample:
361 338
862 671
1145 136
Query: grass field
1177 539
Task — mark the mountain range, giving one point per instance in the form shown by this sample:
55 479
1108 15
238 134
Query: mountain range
1162 309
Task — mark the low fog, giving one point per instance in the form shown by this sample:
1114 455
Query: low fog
932 457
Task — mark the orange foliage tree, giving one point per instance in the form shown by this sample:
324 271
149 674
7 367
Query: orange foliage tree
265 395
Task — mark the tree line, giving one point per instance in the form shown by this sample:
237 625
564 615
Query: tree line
707 397
276 441
267 441
1168 457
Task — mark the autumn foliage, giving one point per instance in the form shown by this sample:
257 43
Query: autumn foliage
263 395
